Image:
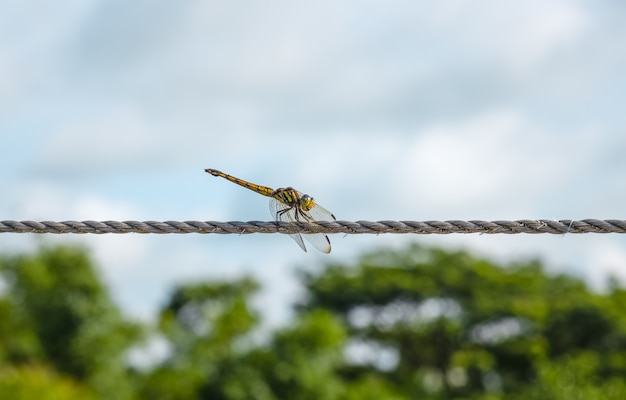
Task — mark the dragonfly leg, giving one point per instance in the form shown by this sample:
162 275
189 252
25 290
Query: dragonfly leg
281 212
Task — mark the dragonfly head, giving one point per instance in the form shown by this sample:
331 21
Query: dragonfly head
306 202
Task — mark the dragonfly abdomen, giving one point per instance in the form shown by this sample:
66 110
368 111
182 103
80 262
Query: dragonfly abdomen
264 190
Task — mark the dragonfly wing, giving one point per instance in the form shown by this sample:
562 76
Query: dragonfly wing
298 238
284 212
319 241
281 212
319 213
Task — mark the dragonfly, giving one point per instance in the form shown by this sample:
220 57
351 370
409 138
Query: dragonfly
289 205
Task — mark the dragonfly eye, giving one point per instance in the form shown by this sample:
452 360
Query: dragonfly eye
306 202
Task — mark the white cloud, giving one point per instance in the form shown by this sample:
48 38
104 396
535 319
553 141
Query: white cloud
10 79
606 258
51 200
327 63
498 160
523 35
32 37
121 139
399 110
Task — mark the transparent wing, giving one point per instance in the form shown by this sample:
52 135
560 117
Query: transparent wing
319 213
282 212
277 209
319 240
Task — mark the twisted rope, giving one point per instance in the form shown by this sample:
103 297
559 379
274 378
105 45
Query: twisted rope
346 227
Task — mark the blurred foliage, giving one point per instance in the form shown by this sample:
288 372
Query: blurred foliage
416 323
29 382
56 311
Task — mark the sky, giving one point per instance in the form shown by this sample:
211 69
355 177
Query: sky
395 110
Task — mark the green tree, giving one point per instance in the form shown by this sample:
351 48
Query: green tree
306 360
56 311
462 326
416 323
28 382
208 327
575 376
302 359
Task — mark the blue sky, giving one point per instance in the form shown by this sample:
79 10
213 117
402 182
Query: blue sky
400 110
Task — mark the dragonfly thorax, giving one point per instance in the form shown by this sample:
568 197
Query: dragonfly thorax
293 198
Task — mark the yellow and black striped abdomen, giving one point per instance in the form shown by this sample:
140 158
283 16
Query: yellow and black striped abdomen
264 190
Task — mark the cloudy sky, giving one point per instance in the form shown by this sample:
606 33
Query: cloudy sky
399 110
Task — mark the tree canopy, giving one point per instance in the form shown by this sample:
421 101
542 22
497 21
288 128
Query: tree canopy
414 323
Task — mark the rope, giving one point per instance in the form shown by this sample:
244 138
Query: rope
346 227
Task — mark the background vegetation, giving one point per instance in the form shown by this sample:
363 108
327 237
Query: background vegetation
419 323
